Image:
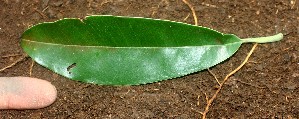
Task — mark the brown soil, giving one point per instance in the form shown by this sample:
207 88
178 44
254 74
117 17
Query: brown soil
266 87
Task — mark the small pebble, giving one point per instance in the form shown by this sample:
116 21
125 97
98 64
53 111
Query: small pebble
26 93
58 4
50 13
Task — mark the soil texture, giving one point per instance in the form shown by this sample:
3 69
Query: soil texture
266 87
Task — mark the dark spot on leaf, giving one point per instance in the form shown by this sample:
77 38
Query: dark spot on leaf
219 41
70 67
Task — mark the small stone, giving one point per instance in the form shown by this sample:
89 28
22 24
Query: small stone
295 75
51 13
59 15
58 4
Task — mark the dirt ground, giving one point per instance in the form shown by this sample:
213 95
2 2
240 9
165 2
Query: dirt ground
266 87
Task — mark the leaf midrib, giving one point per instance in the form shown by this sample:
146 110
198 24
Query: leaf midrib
52 44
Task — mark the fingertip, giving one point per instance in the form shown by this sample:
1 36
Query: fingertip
26 93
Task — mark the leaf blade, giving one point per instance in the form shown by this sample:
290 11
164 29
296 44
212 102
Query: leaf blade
120 59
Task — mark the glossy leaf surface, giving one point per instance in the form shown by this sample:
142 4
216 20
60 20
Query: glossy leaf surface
113 50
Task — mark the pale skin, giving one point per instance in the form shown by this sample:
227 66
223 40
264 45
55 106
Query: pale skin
25 93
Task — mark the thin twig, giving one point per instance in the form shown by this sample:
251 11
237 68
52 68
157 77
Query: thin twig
193 11
31 67
13 64
210 101
208 5
187 17
11 55
41 13
215 77
198 102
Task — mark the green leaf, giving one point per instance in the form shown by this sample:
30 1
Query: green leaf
114 50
